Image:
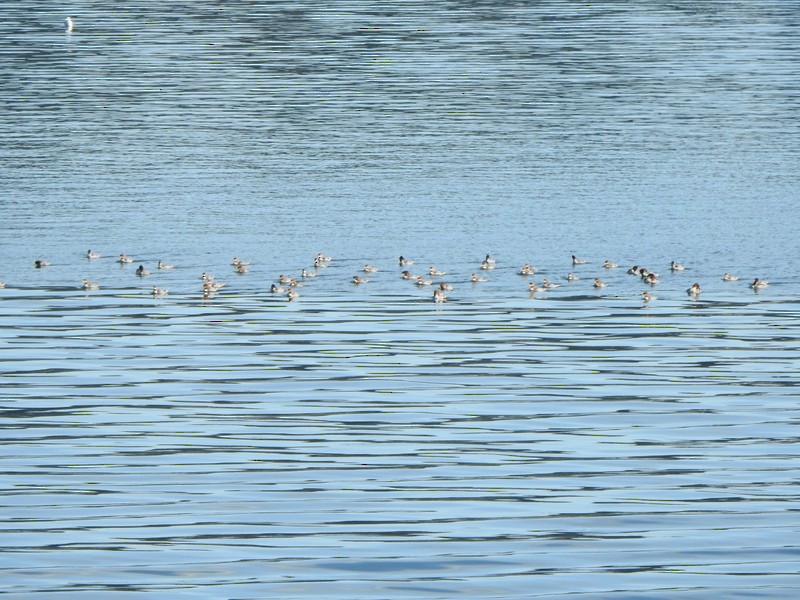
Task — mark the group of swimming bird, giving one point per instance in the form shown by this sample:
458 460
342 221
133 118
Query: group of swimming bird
288 285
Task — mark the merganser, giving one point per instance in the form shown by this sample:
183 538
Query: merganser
162 265
694 290
729 277
673 266
598 283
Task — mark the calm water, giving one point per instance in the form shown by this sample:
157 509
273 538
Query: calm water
361 441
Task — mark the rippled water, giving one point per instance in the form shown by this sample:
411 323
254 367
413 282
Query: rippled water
362 441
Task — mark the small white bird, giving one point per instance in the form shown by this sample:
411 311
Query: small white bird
368 268
577 261
68 24
533 288
729 277
572 277
549 284
607 264
92 255
88 285
436 272
477 278
157 291
162 265
673 266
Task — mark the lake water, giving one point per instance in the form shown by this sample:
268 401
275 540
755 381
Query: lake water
363 441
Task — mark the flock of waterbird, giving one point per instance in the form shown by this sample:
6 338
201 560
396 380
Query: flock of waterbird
286 285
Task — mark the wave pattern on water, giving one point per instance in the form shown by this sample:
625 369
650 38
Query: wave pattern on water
363 442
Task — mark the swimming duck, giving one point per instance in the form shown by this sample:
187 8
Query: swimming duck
634 270
422 281
292 294
729 277
2 285
436 272
647 297
370 269
445 287
141 271
477 278
162 265
572 277
212 286
38 264
533 288
305 274
651 278
527 269
284 279
236 262
673 266
275 289
69 24
405 262
88 285
577 261
358 280
92 255
599 283
759 283
694 290
607 264
549 285
157 291
407 275
124 260
438 296
489 260
487 266
323 258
